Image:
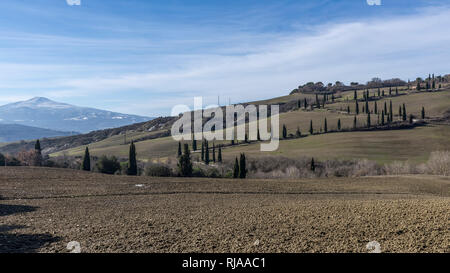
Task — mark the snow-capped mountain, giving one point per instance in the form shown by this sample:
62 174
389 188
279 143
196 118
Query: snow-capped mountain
44 113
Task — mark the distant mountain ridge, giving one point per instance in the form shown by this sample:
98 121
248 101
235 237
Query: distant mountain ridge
16 132
44 113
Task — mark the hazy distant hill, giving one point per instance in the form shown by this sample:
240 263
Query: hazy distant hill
16 132
44 113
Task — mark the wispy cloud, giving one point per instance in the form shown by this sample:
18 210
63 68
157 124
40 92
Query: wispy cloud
246 67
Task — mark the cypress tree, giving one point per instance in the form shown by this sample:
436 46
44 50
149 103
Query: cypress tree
38 153
354 123
206 152
179 149
242 167
385 108
410 118
355 95
433 85
311 129
418 86
375 107
423 112
332 97
339 124
325 126
390 111
357 108
194 144
299 104
305 103
184 163
313 165
368 120
382 93
257 135
399 111
317 101
348 109
86 161
284 131
132 163
298 133
214 152
203 151
219 156
367 107
236 169
382 117
378 92
396 91
404 112
390 91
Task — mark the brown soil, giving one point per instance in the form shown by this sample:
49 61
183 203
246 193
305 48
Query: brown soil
41 210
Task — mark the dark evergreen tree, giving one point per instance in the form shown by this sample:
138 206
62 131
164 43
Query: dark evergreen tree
357 107
339 124
38 153
325 126
258 137
382 117
348 109
179 149
236 169
184 163
194 144
418 86
203 152
219 156
375 107
305 103
284 131
206 152
367 107
399 111
214 152
355 95
132 163
354 123
404 112
311 129
86 160
313 165
368 120
423 112
317 101
242 167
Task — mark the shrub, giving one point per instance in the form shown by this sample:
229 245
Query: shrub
108 165
439 163
398 167
158 170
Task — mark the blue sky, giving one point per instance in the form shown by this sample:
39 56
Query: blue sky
144 57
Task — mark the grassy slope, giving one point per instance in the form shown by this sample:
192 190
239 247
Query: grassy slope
382 146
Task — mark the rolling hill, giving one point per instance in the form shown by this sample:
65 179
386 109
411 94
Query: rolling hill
16 132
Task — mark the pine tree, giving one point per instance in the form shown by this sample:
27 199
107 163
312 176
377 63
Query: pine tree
423 112
284 131
86 161
179 149
313 165
132 163
404 112
311 129
219 156
242 167
325 126
184 163
236 169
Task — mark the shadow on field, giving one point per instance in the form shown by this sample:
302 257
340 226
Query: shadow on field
11 242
